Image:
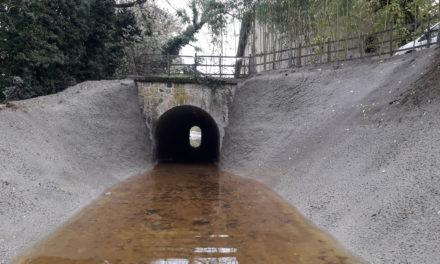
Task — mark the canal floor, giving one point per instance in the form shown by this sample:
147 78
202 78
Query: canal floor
188 214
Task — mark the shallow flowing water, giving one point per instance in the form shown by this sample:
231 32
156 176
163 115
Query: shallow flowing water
188 214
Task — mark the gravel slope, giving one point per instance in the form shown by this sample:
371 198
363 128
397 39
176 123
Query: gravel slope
59 152
355 147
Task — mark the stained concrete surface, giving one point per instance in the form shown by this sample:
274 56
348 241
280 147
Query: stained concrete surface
188 214
59 152
355 147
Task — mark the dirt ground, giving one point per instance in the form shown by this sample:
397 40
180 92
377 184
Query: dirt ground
59 152
355 147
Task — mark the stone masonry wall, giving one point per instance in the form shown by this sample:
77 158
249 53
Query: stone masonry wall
158 97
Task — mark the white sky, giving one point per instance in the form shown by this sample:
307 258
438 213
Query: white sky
204 40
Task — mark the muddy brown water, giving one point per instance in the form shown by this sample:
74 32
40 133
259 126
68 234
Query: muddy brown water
188 214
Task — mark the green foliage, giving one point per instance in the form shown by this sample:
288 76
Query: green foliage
211 12
174 45
156 26
317 20
51 44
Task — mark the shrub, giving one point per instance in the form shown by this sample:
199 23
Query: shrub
49 45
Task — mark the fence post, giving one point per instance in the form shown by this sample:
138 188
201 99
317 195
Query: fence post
345 49
244 65
250 64
290 57
438 29
299 54
438 32
329 50
337 42
274 57
428 37
391 42
321 51
264 61
195 65
220 65
413 36
253 55
168 64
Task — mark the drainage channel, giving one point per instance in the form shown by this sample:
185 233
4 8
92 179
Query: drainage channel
188 214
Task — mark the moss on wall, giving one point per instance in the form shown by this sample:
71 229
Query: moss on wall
180 96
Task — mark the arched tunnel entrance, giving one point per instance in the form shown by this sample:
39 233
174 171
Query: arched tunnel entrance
172 136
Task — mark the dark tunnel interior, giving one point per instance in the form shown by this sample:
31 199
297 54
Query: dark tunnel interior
172 136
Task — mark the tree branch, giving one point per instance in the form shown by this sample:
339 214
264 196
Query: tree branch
130 4
174 45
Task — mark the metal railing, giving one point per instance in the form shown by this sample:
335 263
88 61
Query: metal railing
375 45
194 66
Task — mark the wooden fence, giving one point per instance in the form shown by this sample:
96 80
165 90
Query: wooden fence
376 45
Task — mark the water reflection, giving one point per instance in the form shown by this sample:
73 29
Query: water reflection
180 214
225 260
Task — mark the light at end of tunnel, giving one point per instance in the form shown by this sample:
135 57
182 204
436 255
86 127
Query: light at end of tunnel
195 136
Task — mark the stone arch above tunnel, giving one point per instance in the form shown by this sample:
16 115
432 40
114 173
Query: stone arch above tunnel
171 136
159 95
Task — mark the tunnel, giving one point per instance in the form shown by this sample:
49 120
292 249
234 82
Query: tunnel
171 135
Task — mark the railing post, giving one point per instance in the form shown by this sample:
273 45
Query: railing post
337 41
290 56
438 32
244 66
220 65
299 55
321 51
264 61
274 58
391 42
346 49
428 37
329 50
195 65
250 64
414 34
438 29
168 64
253 55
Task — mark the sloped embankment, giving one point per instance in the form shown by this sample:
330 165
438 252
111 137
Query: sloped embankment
59 152
355 147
